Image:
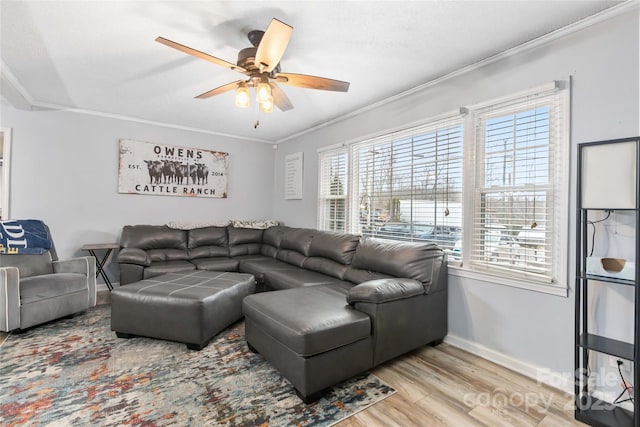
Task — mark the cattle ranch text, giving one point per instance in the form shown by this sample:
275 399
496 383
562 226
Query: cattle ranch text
169 170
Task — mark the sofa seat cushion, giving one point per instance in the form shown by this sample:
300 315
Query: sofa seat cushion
38 288
295 277
161 267
310 320
216 264
251 257
208 252
259 264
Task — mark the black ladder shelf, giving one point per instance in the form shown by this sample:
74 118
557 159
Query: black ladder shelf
590 409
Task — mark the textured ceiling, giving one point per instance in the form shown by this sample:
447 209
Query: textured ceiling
100 56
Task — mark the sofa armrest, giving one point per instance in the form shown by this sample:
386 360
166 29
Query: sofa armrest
10 288
82 265
384 290
134 256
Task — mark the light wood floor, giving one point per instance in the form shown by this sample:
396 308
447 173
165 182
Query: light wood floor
446 386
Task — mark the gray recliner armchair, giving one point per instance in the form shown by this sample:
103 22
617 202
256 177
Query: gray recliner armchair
35 288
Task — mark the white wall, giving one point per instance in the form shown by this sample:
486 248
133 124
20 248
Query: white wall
532 328
64 170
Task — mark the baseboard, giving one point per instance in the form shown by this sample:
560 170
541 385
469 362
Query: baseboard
561 381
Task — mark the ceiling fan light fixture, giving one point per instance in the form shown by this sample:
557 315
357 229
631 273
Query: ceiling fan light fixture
263 90
242 96
266 106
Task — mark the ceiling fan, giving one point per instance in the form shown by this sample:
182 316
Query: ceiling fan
261 64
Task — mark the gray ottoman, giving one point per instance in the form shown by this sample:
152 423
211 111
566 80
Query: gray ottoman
189 307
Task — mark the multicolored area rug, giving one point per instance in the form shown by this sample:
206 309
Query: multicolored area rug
76 372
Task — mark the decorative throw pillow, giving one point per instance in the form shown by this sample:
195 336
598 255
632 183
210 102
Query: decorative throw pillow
258 224
192 225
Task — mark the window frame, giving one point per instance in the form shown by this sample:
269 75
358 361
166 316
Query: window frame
435 131
559 284
324 189
443 123
467 117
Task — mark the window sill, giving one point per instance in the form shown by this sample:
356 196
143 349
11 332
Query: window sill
459 271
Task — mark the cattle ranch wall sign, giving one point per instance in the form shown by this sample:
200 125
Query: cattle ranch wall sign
169 170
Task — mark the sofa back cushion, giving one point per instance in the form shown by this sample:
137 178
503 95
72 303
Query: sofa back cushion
208 236
325 266
330 253
207 242
153 237
167 255
294 246
29 264
161 242
244 241
338 247
298 240
375 258
271 240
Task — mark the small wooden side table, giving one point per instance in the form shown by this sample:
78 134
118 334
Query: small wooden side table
101 263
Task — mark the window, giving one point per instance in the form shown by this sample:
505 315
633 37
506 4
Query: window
332 200
404 186
410 184
514 231
505 218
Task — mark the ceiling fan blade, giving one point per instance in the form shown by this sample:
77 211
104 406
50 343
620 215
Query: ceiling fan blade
280 99
200 55
312 82
220 89
273 44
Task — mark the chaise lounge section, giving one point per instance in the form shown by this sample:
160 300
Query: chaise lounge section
339 304
320 335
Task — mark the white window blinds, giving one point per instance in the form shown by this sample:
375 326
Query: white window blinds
509 168
333 190
516 183
403 186
409 184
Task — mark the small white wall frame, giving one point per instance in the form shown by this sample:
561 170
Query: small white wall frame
293 176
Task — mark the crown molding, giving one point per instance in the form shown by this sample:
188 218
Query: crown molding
589 21
47 106
20 98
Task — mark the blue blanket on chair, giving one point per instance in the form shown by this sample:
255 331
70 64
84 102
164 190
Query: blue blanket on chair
27 236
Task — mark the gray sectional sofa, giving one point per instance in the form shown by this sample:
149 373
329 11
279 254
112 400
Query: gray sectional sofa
342 303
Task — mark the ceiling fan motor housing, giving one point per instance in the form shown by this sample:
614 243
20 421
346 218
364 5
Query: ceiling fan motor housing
247 58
